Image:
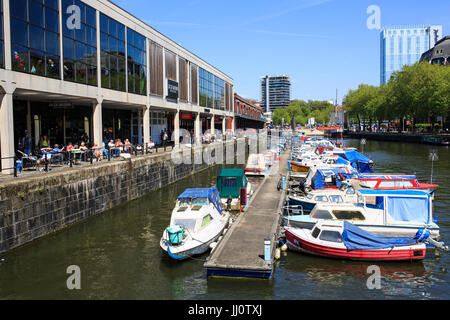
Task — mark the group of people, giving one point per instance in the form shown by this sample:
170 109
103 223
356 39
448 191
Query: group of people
46 153
117 147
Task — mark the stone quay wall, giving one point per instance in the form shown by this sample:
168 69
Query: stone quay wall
33 207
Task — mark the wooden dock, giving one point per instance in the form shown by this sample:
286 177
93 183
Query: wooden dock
241 251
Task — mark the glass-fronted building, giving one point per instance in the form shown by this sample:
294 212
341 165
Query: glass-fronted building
72 69
404 46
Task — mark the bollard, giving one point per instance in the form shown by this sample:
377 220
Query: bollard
267 251
109 154
283 182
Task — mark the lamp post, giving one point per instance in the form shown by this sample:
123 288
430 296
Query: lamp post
433 156
363 142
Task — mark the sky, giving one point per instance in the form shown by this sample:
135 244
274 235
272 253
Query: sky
323 45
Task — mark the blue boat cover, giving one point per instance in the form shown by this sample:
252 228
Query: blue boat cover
358 161
318 181
404 205
356 238
211 193
341 160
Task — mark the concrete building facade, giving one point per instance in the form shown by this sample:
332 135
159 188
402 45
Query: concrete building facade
71 69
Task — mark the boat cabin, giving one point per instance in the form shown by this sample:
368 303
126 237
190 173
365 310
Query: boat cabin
405 206
394 182
197 207
230 181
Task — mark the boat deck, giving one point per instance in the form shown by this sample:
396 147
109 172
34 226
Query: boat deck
241 252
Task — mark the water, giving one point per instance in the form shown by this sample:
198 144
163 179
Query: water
119 256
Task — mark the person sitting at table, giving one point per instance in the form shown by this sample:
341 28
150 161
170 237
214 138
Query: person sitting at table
85 151
112 147
45 142
67 151
45 158
96 151
119 146
127 147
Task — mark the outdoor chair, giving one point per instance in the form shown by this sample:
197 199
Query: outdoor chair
28 161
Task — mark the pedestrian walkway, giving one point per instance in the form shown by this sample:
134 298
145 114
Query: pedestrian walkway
241 252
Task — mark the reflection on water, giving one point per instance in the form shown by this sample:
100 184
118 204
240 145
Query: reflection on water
120 258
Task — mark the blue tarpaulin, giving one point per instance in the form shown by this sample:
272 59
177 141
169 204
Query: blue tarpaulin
356 238
340 174
411 209
358 161
211 193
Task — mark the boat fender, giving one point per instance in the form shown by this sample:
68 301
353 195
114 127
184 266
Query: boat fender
213 245
284 247
224 231
277 254
422 235
220 238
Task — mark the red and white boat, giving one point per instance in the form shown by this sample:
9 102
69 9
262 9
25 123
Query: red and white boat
343 240
394 182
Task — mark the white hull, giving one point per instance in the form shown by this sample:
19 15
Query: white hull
192 247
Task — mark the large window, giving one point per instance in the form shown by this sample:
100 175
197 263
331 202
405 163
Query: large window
137 62
2 52
79 43
202 87
206 85
219 93
112 38
35 37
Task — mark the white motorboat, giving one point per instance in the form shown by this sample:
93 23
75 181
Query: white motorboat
386 212
198 220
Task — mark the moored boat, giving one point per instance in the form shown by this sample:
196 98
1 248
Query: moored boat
390 212
343 240
256 165
229 184
394 182
197 221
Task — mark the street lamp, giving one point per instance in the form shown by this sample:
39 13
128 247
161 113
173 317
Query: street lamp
363 142
433 156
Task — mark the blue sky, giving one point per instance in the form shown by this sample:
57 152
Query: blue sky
323 45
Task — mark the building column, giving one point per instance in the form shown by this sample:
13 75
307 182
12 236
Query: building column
224 125
29 117
176 128
233 126
212 124
197 133
7 133
97 122
146 123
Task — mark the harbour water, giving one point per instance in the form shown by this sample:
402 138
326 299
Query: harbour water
119 256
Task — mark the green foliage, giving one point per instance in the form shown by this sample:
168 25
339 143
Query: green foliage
302 111
417 92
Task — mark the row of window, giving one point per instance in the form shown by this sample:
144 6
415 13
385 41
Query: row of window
35 43
247 110
211 90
